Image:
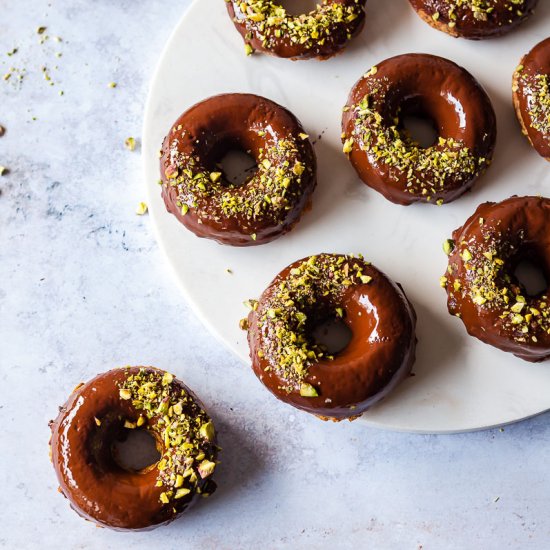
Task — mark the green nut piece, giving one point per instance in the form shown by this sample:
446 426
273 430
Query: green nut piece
307 390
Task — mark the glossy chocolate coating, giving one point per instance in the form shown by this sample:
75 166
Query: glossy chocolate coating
97 488
379 355
505 16
513 230
322 47
215 126
536 62
434 87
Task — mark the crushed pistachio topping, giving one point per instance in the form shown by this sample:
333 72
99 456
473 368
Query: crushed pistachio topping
184 430
268 194
537 91
454 11
270 22
312 290
425 171
489 285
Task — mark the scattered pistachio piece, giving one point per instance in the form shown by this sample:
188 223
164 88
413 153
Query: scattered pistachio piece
130 143
141 209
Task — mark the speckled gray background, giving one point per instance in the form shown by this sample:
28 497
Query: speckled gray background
84 288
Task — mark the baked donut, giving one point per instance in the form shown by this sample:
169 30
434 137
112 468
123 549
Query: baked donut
269 202
474 19
386 157
99 413
297 370
267 27
480 282
531 93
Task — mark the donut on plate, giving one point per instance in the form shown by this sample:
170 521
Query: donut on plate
386 157
99 413
267 27
299 371
474 19
482 288
269 202
531 93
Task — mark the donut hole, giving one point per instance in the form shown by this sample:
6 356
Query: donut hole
237 166
332 334
530 275
416 122
421 129
135 451
299 7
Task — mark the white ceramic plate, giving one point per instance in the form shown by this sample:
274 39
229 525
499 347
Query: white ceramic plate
459 383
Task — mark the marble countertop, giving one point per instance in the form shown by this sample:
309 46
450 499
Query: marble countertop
84 288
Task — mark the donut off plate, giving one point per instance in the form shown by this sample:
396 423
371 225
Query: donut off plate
459 384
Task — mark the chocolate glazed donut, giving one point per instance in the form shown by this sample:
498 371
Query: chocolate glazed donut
385 156
531 94
300 372
267 27
480 282
474 19
269 202
100 412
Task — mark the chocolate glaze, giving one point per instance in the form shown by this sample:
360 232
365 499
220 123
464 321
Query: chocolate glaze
430 86
536 62
512 230
215 126
505 16
96 487
339 34
380 354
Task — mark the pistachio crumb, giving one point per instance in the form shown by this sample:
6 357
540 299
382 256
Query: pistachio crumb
307 390
141 209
